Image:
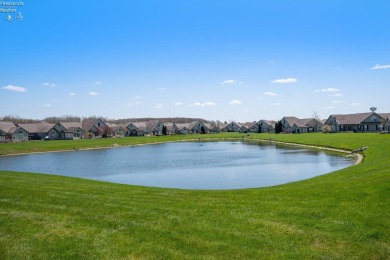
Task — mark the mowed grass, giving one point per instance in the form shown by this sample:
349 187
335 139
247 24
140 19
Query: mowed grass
341 215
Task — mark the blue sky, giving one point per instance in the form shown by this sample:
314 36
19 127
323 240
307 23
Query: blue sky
228 60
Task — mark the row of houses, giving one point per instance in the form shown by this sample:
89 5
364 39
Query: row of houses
360 122
97 128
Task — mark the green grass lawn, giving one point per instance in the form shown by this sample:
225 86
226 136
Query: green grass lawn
341 215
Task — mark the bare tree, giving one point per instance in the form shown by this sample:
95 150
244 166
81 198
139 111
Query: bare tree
316 116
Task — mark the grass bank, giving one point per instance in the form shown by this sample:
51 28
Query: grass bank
344 214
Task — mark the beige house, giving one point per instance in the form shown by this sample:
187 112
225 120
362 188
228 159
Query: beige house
9 132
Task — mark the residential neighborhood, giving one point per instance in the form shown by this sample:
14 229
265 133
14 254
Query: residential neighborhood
98 128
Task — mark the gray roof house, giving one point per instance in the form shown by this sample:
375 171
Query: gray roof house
170 128
117 129
152 127
74 130
267 126
182 129
360 122
213 129
96 128
41 130
232 127
9 132
251 127
293 124
386 124
197 127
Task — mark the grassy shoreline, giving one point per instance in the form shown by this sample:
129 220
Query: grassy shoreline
344 214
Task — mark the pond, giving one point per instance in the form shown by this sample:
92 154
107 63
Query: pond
186 165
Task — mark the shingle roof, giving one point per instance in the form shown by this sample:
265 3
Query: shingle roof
269 122
356 119
115 127
182 126
6 126
42 127
151 124
140 125
248 124
72 126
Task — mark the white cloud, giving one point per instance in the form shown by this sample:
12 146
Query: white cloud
93 93
47 84
235 102
159 106
72 94
378 67
133 103
270 94
230 82
179 104
355 104
98 83
14 88
337 101
284 81
204 104
326 90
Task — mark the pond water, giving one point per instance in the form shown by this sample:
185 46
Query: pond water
186 165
